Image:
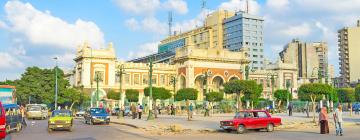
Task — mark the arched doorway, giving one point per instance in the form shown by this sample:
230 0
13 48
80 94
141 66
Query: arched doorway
217 83
233 78
101 97
182 82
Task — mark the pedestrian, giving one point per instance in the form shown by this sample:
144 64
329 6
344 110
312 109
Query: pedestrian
140 109
191 108
172 109
338 120
133 111
323 120
290 108
168 109
206 110
159 109
22 111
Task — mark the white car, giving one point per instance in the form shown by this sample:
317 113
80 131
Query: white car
80 114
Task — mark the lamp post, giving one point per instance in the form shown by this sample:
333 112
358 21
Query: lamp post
150 116
56 82
121 100
97 79
173 82
206 74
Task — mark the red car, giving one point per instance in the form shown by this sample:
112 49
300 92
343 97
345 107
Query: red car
2 122
250 119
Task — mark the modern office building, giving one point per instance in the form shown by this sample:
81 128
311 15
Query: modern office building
222 29
310 58
245 30
349 48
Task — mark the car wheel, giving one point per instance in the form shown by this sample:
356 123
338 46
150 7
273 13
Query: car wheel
18 127
241 129
270 127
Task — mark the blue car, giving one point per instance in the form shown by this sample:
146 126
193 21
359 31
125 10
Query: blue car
13 117
96 116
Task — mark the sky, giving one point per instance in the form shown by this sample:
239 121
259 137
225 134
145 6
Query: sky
33 32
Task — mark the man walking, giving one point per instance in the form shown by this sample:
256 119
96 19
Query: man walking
140 109
191 108
338 120
206 110
133 111
172 109
290 108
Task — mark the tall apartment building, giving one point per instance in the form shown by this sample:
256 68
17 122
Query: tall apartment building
349 48
310 58
245 30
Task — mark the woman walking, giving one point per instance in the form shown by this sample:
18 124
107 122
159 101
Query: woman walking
323 119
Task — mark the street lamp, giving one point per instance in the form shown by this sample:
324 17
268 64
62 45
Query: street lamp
173 81
150 116
206 74
56 82
97 79
121 100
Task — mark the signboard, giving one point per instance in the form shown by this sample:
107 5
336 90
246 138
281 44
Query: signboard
7 94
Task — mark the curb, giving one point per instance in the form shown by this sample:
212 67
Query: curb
126 124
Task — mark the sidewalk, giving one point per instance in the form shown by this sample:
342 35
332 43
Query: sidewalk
211 124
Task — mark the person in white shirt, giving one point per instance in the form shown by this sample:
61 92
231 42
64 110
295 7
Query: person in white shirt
338 120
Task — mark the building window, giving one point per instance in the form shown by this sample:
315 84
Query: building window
255 50
255 56
127 79
162 81
154 79
145 79
255 62
100 74
136 79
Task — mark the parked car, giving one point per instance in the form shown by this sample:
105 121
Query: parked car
2 122
250 119
80 113
13 118
96 116
60 119
36 111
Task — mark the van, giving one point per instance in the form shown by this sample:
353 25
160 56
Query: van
36 111
2 122
13 118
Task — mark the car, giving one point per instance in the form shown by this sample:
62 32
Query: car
36 111
250 119
80 114
13 118
2 122
60 120
96 115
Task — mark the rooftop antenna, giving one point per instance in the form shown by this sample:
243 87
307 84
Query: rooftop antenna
203 6
247 6
170 18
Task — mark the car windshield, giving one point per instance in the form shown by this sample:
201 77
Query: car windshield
97 110
63 113
240 115
35 108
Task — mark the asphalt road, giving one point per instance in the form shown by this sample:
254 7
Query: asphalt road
37 130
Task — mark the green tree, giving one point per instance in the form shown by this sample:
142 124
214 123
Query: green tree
213 97
314 92
73 97
346 95
39 84
132 95
250 89
186 94
281 95
158 93
357 93
113 95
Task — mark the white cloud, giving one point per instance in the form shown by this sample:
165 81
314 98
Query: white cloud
237 5
179 6
144 50
41 28
277 4
334 6
187 25
132 23
139 6
18 51
298 30
9 61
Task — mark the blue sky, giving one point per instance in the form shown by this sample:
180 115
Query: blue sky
34 31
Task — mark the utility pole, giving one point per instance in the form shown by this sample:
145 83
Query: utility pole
206 75
97 79
150 116
121 100
56 82
170 22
